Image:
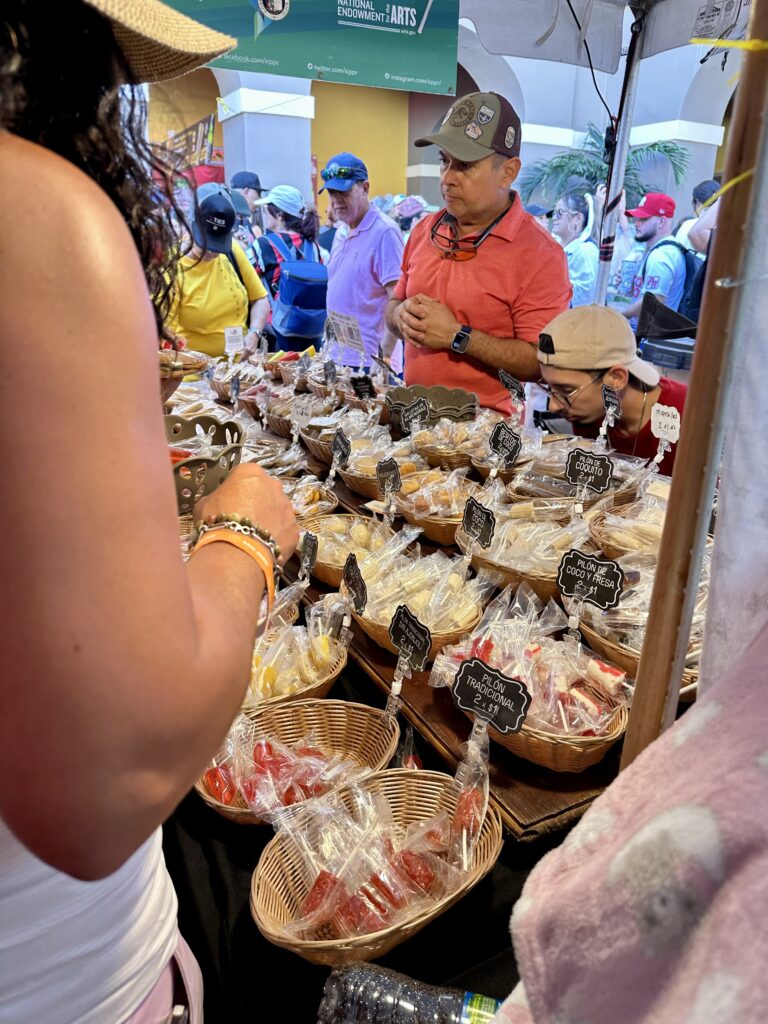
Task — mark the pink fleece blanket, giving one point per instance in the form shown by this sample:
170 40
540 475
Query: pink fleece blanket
655 907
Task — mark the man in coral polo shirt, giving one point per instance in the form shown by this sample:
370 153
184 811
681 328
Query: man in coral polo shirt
480 278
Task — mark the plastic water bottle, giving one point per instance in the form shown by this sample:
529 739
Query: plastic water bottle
367 994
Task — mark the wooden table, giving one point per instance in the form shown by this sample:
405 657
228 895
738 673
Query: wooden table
531 800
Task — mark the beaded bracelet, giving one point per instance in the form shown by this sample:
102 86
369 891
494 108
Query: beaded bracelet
238 524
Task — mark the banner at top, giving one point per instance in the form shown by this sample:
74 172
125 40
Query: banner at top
411 46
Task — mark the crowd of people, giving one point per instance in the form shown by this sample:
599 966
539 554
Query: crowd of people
128 665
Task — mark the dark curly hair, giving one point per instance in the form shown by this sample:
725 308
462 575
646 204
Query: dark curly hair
63 85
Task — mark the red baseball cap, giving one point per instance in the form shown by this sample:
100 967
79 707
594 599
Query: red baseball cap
654 204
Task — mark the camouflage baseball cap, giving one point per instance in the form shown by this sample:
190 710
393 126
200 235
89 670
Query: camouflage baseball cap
477 125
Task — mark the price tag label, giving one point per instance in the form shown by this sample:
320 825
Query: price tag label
388 475
233 339
341 447
612 401
309 548
513 386
234 388
665 423
410 637
505 443
502 701
416 412
331 375
587 469
355 584
363 386
304 365
602 578
478 522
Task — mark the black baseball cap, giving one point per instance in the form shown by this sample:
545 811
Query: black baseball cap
477 125
214 218
245 179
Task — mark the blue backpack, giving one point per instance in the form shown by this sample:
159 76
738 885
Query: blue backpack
298 309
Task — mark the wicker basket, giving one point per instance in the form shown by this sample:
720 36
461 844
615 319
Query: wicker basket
484 469
545 586
560 753
250 405
324 571
442 459
380 634
281 880
316 691
440 531
176 365
320 449
280 426
288 373
601 538
222 389
366 486
324 507
273 369
629 660
361 733
316 388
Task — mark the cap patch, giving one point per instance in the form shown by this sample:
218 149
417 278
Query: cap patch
509 137
473 130
462 113
546 345
485 114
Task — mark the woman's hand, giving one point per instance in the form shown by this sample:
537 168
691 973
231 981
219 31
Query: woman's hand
249 491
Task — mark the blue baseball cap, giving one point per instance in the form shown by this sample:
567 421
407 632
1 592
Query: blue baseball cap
342 171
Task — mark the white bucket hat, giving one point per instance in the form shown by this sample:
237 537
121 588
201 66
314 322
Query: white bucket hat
159 42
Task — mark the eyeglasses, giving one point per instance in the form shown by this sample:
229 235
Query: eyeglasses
337 171
567 392
558 214
458 249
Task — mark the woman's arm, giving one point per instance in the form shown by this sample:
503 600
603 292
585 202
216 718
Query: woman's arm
123 668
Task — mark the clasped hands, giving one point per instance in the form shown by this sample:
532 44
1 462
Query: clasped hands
426 323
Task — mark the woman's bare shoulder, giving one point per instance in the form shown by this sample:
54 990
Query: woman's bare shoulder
54 199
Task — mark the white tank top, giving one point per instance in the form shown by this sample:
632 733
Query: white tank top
81 952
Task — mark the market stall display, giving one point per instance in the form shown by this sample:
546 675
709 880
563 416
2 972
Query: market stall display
619 633
379 876
282 755
341 535
578 707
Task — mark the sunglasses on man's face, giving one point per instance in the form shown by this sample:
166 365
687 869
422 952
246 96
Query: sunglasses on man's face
337 171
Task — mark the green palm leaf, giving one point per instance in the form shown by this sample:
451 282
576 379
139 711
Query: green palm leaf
549 178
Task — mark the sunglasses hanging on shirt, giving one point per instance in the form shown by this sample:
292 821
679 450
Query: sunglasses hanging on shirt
460 249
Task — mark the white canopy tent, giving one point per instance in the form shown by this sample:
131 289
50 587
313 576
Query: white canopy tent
736 294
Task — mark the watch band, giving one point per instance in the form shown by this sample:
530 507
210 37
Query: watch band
461 339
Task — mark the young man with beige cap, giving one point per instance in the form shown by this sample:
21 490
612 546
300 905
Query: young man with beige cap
480 278
584 348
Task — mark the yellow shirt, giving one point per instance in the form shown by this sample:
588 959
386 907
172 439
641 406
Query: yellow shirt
210 297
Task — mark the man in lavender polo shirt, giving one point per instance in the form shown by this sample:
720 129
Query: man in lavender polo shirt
365 259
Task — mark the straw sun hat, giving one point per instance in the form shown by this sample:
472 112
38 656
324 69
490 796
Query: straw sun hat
158 42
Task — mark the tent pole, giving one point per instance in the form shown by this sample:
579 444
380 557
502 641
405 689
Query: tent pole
621 151
737 246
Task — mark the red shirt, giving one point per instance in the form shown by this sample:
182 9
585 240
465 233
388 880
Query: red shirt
515 285
644 445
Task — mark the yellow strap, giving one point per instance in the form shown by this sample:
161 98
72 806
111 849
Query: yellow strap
751 45
257 551
729 185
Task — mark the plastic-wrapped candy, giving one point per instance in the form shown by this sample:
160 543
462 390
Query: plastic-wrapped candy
364 873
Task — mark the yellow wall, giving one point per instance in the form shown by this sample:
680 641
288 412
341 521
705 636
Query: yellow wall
182 102
371 123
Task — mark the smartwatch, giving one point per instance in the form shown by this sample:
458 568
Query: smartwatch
461 339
